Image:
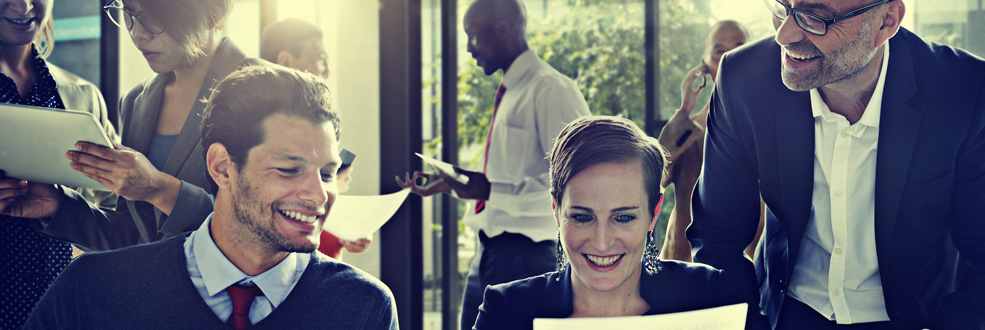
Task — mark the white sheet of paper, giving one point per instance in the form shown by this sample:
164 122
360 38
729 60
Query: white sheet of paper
731 317
445 169
355 217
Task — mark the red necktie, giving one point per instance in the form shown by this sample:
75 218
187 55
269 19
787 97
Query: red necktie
481 204
242 298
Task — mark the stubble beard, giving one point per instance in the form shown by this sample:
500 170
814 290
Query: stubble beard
249 211
840 65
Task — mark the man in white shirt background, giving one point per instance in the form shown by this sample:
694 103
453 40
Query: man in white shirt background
512 207
868 145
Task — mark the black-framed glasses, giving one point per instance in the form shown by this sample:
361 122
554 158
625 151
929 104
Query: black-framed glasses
812 23
115 9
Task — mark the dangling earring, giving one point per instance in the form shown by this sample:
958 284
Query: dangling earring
560 258
652 255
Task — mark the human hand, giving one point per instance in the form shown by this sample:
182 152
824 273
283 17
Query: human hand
477 187
19 198
357 246
126 172
433 184
689 95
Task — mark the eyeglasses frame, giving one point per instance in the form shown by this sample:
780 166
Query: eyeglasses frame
827 21
134 17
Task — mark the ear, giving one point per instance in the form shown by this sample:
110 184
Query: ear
557 214
284 58
891 21
219 165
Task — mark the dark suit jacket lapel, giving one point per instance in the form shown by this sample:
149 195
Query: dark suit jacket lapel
146 109
226 59
898 129
795 152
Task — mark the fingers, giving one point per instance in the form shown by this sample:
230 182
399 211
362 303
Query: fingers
88 160
97 150
91 171
10 188
358 246
402 184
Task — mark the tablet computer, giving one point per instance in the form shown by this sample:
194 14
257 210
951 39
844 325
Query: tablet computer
34 140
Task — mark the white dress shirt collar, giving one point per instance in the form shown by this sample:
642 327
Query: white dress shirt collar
519 68
873 110
219 273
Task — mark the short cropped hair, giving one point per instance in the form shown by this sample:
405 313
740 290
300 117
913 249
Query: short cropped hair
290 35
593 140
188 22
240 102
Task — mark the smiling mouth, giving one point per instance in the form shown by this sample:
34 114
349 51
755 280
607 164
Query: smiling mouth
297 216
603 261
24 21
800 58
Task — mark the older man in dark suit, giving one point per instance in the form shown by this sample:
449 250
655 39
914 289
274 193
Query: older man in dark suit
868 145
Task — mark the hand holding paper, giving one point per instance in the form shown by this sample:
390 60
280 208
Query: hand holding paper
465 184
433 184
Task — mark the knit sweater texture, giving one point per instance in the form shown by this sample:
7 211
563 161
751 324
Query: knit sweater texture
148 287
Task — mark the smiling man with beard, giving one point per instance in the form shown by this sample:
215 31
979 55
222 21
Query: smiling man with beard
868 146
271 140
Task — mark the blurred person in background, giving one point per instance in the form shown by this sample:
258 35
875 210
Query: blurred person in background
683 138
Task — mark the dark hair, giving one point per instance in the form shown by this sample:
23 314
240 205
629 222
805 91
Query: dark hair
240 102
290 35
593 140
186 21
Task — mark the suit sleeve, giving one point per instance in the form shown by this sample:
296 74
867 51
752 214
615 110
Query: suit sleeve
91 227
192 206
725 202
965 307
489 311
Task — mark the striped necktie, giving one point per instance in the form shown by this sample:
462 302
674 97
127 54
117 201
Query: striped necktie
481 204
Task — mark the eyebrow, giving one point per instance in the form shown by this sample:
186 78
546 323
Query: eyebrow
817 7
618 209
299 159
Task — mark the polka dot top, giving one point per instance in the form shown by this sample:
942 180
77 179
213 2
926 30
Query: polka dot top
29 261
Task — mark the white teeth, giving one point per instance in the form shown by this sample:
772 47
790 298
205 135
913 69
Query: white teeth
603 261
20 21
297 216
799 57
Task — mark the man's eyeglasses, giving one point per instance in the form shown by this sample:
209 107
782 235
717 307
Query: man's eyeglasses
114 9
812 23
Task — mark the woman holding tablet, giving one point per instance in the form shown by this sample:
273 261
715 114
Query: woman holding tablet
30 260
605 187
159 169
